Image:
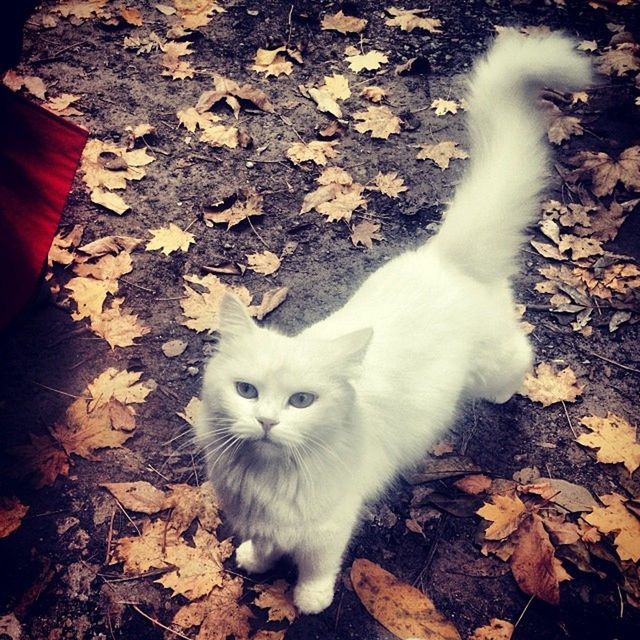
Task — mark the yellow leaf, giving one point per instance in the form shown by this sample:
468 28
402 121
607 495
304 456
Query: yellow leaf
325 101
381 121
63 247
505 514
606 172
337 86
62 105
369 61
12 511
615 518
191 119
231 92
265 263
118 328
272 62
316 151
373 93
190 413
247 204
391 184
442 106
80 9
218 135
409 19
401 608
615 439
89 295
271 300
107 267
364 233
548 387
132 16
138 496
343 23
277 599
109 200
123 386
496 630
169 239
441 153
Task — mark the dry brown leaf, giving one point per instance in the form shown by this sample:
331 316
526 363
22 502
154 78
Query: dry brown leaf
580 247
173 348
274 62
131 16
401 608
194 14
410 19
174 67
563 127
247 204
265 263
218 135
190 413
118 328
80 9
139 496
381 121
337 86
441 153
473 484
123 386
277 598
146 551
390 184
169 239
337 196
505 514
369 61
620 59
374 93
231 92
316 151
343 23
442 106
364 233
41 461
109 200
12 511
89 295
191 119
34 85
190 503
201 309
615 518
63 247
325 101
61 105
496 630
615 439
548 387
107 267
606 172
108 244
271 300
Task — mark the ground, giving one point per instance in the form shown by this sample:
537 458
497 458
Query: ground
55 578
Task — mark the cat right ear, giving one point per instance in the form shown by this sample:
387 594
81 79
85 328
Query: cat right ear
234 319
352 347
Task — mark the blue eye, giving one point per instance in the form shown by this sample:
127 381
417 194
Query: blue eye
302 400
246 390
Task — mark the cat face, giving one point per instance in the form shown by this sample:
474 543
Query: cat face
279 395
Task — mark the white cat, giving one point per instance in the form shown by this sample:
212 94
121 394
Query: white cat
300 431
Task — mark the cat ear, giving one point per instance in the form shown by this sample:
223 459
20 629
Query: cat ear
234 319
352 347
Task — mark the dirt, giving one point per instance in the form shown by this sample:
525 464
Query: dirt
62 542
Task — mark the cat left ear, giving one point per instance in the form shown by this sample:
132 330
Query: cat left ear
234 319
352 347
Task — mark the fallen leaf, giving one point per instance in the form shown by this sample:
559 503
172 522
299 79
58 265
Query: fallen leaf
131 16
374 93
63 247
174 67
277 598
473 484
109 200
548 387
410 19
442 106
173 348
169 239
89 295
139 496
343 23
109 244
247 204
390 184
231 92
441 153
62 105
118 328
573 497
219 135
381 121
271 300
80 9
316 151
12 512
123 386
337 86
401 608
364 233
369 61
191 119
272 62
41 461
563 127
496 630
505 515
190 503
605 172
190 413
325 102
620 59
34 85
106 267
615 518
580 247
265 263
614 438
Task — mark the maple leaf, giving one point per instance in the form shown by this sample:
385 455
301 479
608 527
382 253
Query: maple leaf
145 551
441 106
580 247
615 518
370 61
131 16
614 438
196 13
34 85
620 59
337 86
390 184
316 151
118 328
189 503
496 630
325 101
107 267
191 119
548 387
62 105
169 239
190 413
231 92
201 309
89 295
473 484
343 23
138 496
277 598
63 247
563 127
174 67
606 172
248 203
12 511
123 386
505 514
265 263
409 19
219 135
337 197
81 9
401 608
381 121
274 62
374 93
219 615
364 233
41 461
441 153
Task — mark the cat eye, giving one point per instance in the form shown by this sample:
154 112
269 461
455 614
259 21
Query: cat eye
302 400
246 390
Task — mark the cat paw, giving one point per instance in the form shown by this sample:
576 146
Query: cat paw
313 596
248 559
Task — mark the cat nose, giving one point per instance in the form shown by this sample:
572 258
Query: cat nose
267 424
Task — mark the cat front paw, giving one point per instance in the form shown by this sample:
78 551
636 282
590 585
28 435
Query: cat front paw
250 560
314 596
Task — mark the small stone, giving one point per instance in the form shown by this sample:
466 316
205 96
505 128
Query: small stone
249 164
193 371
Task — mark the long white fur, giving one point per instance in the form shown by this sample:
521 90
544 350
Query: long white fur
431 327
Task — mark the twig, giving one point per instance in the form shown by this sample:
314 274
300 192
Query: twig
62 393
517 622
138 286
432 552
257 234
613 362
206 159
58 53
127 516
289 21
159 624
621 614
148 574
110 538
190 225
339 611
171 298
566 413
152 468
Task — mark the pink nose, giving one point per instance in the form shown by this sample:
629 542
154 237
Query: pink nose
267 424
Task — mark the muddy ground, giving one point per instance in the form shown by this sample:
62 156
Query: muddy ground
47 355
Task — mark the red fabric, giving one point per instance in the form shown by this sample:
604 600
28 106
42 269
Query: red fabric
39 155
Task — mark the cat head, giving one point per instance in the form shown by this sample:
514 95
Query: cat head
276 393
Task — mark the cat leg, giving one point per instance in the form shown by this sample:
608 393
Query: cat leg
256 556
319 562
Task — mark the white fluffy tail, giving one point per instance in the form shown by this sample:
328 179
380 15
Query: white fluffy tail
499 195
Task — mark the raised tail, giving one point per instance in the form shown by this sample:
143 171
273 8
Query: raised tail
499 196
